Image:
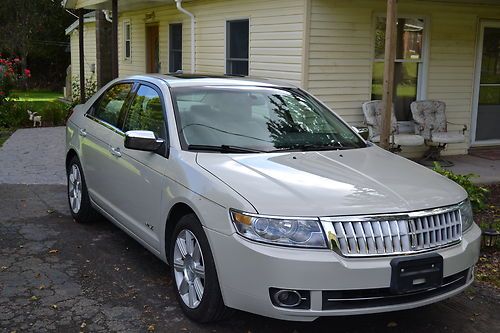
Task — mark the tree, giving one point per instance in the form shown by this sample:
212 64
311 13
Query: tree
34 31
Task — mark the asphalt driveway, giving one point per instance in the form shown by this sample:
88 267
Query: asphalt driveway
57 275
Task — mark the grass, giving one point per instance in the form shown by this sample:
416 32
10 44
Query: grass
37 96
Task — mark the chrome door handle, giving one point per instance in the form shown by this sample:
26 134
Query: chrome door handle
116 151
83 132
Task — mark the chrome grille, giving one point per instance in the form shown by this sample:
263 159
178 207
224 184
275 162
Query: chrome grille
394 234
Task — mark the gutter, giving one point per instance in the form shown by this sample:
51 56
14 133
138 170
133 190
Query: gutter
193 44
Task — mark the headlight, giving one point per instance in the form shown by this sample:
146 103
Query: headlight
466 213
297 232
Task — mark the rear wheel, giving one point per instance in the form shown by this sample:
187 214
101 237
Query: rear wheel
193 269
78 197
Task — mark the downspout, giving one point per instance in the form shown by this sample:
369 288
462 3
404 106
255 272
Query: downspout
193 22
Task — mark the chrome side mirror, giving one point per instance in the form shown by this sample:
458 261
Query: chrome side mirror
143 140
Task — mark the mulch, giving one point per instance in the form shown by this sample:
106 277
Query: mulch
488 267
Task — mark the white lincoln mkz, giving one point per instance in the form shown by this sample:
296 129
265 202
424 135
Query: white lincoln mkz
262 199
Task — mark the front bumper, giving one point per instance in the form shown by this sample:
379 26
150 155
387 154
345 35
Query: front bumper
246 270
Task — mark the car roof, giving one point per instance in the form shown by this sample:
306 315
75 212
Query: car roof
193 80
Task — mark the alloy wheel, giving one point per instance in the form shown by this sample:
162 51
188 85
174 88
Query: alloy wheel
189 268
75 188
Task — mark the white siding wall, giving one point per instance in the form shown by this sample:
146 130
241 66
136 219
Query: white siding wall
89 50
276 30
341 49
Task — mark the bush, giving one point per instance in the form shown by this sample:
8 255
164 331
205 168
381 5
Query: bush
477 194
90 88
14 113
11 75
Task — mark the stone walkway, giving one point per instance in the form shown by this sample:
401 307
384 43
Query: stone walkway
34 156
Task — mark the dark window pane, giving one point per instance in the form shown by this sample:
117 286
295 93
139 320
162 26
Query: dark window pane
405 85
175 44
127 49
237 67
490 68
111 103
238 39
146 113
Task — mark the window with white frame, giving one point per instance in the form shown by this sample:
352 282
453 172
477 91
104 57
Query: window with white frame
237 45
127 40
408 70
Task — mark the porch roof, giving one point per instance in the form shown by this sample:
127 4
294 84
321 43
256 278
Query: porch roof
122 4
89 17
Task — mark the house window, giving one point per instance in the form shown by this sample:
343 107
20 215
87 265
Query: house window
237 39
127 40
175 48
408 67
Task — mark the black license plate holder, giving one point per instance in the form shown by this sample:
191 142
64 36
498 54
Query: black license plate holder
416 274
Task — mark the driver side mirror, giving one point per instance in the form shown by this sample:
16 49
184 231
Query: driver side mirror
143 140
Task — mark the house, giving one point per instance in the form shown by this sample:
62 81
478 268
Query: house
446 49
90 58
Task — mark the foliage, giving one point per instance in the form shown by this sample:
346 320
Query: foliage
35 31
4 135
14 111
90 88
11 75
477 194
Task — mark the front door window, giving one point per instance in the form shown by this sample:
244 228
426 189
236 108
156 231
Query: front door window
488 109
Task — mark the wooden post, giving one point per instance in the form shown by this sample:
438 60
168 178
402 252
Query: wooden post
114 39
389 59
81 12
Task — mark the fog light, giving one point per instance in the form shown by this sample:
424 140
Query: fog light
288 298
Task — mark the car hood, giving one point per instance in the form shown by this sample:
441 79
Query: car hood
327 183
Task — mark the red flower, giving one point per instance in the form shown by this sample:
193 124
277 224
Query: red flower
2 93
16 60
27 73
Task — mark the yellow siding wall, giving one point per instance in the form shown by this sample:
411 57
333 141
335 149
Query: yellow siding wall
341 50
276 31
89 50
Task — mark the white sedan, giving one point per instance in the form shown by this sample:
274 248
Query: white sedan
262 199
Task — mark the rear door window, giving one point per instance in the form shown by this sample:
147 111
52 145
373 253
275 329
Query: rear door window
146 112
111 104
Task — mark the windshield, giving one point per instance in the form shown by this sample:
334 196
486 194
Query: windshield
257 119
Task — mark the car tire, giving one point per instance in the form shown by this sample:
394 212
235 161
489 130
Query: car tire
78 197
210 306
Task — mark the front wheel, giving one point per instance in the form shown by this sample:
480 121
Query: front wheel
193 269
78 196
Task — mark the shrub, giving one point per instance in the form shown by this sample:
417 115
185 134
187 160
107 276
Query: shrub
11 75
13 114
90 88
477 194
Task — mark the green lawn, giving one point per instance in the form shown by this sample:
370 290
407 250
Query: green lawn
37 96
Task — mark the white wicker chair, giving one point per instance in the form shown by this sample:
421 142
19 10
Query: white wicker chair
430 122
373 118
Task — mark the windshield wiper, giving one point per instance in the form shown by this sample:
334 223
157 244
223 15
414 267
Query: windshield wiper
314 147
224 149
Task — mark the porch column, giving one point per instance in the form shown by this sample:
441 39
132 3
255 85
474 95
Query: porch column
114 39
81 12
389 58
